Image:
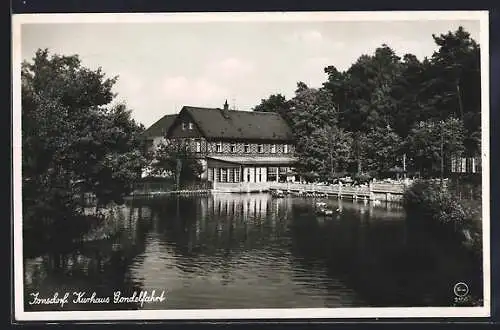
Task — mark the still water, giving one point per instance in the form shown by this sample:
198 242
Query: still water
255 251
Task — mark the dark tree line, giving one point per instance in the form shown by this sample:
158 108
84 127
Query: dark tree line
384 108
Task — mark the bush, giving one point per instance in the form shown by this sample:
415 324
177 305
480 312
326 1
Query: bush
437 207
362 177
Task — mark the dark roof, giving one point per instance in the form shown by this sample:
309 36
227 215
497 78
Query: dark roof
161 126
236 124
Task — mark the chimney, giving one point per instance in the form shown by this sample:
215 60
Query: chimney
226 106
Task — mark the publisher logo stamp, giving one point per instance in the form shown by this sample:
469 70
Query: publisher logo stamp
460 289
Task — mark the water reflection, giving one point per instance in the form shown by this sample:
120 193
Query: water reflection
255 251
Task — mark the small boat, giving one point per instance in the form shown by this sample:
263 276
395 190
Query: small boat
328 212
278 193
324 211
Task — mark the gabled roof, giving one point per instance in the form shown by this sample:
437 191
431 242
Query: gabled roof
235 124
161 127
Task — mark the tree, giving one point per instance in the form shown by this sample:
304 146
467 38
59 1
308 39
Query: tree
72 136
360 148
114 155
274 103
336 84
406 95
432 143
380 101
335 144
457 79
365 90
382 149
174 158
310 109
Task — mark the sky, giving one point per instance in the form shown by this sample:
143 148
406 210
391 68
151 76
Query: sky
164 66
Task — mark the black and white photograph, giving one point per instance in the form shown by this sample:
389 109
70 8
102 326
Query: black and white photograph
287 165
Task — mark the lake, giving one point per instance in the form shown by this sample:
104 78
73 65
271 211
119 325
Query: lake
256 251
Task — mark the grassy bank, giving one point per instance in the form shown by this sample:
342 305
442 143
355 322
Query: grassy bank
435 207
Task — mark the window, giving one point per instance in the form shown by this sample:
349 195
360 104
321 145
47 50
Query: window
191 126
285 148
260 148
198 146
469 165
453 165
273 148
272 173
210 174
223 175
477 165
237 174
216 175
183 126
247 148
230 175
218 147
233 148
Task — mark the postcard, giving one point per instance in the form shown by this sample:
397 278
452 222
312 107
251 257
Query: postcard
225 166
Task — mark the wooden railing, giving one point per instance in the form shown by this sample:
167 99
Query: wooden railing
395 188
300 187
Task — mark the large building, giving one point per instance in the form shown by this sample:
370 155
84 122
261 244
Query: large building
232 146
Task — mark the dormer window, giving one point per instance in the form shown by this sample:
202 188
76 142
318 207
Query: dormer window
233 147
260 148
273 148
247 147
183 126
198 146
218 147
285 148
191 126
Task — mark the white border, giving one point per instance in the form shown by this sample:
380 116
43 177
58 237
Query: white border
226 314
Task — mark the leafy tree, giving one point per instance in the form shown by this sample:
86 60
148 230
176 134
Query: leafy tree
338 87
335 144
457 79
406 95
431 143
175 159
275 103
311 108
360 148
365 89
390 106
313 118
72 137
324 153
384 147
